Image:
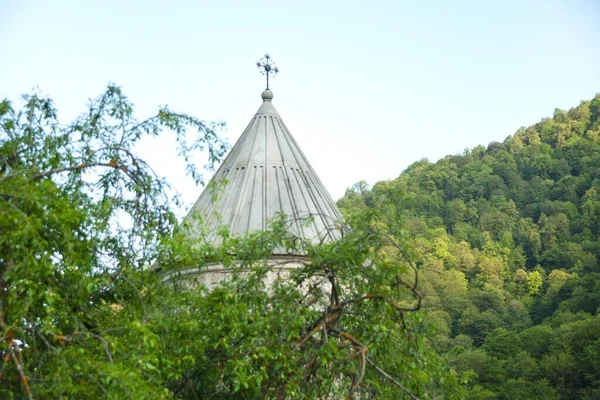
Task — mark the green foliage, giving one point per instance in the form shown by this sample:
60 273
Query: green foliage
520 222
81 216
534 282
86 314
343 323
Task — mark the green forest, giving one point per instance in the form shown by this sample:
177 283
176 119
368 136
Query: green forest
473 277
506 242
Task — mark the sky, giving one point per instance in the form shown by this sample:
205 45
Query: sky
366 88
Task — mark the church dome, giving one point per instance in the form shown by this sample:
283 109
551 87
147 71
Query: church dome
266 174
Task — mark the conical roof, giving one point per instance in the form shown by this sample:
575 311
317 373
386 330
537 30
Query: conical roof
265 174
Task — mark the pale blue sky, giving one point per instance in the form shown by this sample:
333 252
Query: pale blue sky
366 88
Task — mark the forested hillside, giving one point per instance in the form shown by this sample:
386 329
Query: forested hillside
506 239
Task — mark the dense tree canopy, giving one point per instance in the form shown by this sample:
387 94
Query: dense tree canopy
506 240
486 262
80 213
84 313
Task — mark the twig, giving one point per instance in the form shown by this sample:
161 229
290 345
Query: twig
185 381
35 330
40 175
101 387
369 296
138 294
4 362
100 338
19 366
394 381
321 323
407 258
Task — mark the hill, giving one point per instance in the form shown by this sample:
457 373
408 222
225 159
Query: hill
506 239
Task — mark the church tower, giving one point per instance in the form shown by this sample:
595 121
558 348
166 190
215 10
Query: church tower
266 174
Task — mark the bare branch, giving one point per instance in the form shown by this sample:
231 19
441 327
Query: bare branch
100 338
407 258
139 295
40 175
15 353
37 332
391 378
5 359
369 296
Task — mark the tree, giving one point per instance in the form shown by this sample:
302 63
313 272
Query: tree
83 314
534 282
80 215
343 326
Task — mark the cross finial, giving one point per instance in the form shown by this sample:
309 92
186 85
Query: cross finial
267 67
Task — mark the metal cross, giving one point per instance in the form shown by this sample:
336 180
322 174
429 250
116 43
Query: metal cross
267 67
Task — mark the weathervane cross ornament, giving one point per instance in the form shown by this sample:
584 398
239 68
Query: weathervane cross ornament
267 67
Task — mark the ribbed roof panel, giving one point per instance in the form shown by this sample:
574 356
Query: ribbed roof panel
264 174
